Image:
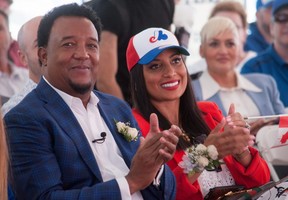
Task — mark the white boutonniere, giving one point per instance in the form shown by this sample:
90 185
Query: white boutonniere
129 133
197 158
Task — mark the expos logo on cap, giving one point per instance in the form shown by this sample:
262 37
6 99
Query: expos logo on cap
146 45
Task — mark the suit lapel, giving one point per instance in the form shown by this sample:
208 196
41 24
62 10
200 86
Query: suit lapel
67 121
128 149
215 98
257 98
109 114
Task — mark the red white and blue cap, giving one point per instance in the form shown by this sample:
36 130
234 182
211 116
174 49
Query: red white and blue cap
145 46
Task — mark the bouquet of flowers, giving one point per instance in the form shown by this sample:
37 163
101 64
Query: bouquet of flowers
197 158
129 133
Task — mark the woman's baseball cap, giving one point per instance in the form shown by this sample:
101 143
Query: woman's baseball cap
148 44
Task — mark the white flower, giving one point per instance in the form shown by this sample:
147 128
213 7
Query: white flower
202 162
186 164
212 152
120 125
133 132
201 148
197 158
129 133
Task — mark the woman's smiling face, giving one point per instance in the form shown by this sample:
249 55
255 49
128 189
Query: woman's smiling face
166 76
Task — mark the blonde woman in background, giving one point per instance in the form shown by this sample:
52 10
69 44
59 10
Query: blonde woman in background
237 13
253 94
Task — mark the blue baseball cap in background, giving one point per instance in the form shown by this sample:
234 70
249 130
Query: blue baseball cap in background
277 4
263 4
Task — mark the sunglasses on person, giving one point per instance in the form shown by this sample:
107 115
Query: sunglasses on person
281 18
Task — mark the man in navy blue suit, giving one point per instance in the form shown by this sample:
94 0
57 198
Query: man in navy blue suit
63 138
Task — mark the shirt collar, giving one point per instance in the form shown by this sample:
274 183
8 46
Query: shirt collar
210 87
70 100
245 84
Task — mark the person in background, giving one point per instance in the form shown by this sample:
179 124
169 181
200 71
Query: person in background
12 78
235 11
274 60
4 165
161 84
28 53
259 37
5 5
67 140
121 19
14 47
183 21
253 95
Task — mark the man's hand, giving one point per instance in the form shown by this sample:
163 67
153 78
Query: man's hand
157 148
259 123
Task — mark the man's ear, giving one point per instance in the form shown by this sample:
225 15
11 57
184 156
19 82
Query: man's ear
23 58
42 55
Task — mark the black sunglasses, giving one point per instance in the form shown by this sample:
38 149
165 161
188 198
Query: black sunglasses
281 18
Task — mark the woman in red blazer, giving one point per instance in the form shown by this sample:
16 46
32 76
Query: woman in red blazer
161 84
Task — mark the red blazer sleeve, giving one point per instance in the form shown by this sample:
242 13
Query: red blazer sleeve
257 173
212 115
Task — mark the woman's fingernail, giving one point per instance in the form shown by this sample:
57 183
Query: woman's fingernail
228 119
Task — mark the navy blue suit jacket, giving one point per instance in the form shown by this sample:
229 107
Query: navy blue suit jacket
51 157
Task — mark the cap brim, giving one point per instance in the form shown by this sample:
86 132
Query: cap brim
151 55
267 5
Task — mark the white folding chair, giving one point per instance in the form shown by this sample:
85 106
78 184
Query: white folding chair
265 139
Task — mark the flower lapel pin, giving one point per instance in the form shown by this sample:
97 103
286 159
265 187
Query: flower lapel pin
129 133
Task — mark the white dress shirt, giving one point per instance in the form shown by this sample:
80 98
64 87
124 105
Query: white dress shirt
106 154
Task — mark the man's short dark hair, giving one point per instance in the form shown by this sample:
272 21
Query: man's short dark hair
72 10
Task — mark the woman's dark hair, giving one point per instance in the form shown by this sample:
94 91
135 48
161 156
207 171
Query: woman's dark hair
190 116
72 10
